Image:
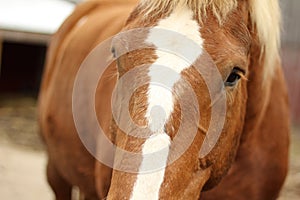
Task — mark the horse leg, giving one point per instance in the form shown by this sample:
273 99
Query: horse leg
81 196
92 198
61 188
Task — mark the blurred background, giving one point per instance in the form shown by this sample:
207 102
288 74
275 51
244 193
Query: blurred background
26 27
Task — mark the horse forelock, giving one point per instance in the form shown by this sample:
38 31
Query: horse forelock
265 17
220 8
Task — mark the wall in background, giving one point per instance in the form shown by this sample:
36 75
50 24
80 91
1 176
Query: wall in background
291 53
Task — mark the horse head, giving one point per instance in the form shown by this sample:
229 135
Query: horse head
182 93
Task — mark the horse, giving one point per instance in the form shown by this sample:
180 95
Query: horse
207 115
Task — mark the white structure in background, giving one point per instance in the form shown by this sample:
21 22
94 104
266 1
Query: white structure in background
32 20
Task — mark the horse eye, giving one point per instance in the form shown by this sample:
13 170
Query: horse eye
113 51
234 77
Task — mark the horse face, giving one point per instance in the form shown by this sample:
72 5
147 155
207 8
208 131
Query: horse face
188 110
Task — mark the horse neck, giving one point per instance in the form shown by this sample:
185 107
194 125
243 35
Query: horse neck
259 90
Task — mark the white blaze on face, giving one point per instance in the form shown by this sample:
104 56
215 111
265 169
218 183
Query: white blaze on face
175 57
147 185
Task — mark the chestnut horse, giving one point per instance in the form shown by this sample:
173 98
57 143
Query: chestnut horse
216 58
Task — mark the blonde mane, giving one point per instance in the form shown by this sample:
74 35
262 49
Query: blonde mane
265 15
